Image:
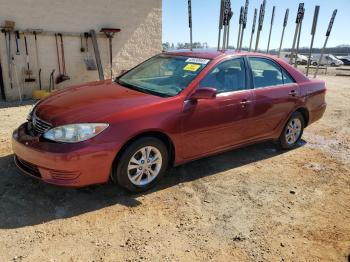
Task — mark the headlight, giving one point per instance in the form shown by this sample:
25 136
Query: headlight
75 132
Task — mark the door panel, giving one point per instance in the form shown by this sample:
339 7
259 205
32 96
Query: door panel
275 96
213 124
271 106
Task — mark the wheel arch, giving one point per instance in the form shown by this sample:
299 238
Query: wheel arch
305 113
154 133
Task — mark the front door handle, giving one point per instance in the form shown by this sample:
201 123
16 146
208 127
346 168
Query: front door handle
245 102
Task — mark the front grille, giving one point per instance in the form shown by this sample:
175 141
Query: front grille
39 125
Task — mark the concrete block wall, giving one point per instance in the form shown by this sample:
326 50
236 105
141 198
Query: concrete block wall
139 39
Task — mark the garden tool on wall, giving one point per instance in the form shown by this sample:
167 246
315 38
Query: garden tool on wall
82 48
17 43
52 81
109 32
89 61
28 72
8 54
97 54
38 66
62 74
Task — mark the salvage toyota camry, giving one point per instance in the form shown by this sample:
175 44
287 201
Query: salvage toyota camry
171 109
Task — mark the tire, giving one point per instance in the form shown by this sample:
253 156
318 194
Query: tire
288 141
138 176
314 63
333 64
298 63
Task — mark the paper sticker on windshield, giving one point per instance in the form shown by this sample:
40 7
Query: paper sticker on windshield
192 67
197 60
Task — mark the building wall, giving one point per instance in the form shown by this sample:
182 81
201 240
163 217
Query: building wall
139 39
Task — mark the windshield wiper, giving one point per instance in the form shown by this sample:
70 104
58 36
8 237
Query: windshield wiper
142 90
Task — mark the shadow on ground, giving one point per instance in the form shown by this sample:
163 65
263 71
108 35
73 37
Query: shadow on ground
25 201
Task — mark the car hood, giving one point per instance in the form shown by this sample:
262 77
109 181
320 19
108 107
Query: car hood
92 102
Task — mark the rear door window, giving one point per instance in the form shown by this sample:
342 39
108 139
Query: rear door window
267 73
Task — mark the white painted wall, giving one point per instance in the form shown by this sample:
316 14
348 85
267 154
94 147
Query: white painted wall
140 36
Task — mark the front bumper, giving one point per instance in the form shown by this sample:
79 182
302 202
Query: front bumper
70 165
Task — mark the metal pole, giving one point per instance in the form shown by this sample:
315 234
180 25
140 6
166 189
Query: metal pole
294 42
226 18
328 33
272 17
240 22
284 28
241 40
228 29
261 22
253 29
239 36
220 21
322 53
245 17
297 21
228 35
313 32
190 21
224 38
298 42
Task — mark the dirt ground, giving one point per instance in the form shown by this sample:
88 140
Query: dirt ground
252 204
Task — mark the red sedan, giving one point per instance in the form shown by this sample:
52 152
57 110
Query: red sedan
171 109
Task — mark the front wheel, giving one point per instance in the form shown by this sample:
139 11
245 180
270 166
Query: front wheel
141 165
292 131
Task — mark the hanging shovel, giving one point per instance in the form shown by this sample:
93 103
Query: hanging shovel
63 75
28 72
89 61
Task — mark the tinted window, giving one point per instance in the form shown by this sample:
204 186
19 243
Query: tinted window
228 76
268 73
286 78
164 75
265 72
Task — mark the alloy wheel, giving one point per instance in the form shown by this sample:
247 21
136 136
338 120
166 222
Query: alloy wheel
144 166
293 131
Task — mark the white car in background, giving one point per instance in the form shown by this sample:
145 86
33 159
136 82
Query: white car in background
301 59
327 60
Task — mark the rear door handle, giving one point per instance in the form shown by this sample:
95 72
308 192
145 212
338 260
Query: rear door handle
293 93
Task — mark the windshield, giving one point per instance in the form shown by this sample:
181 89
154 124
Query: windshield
163 75
333 57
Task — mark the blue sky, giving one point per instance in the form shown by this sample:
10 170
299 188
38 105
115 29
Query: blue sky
205 15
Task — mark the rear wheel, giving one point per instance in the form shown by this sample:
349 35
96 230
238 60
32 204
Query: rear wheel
314 63
292 131
141 165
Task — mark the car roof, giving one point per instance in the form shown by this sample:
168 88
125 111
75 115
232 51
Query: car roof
211 53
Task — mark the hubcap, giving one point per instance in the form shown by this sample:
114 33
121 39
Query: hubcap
144 165
293 131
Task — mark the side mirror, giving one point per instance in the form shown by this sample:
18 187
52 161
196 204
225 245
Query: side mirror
204 93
